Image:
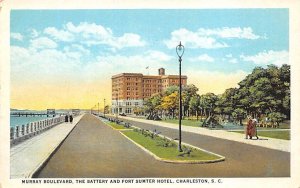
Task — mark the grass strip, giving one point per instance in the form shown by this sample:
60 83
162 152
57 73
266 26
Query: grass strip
284 135
157 146
115 126
186 122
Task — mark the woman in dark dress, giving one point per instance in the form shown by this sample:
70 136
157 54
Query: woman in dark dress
71 119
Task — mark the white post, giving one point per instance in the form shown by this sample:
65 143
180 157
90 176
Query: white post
23 130
17 131
12 133
27 129
35 128
31 127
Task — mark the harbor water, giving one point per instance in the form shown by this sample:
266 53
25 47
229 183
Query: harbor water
23 120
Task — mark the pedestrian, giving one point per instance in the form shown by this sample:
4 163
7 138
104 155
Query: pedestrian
66 118
248 128
71 118
254 128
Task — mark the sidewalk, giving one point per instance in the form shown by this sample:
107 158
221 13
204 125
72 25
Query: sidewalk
29 156
271 143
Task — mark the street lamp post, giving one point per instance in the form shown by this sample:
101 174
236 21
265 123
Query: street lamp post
104 109
180 51
117 105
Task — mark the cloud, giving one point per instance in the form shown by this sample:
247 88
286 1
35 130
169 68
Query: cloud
42 42
233 60
53 65
268 57
214 81
202 58
77 49
16 36
192 40
154 59
60 35
93 34
207 38
157 56
226 32
88 29
34 33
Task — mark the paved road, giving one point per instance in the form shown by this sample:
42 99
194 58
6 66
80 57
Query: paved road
95 150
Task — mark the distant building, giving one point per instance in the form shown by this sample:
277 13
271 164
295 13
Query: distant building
50 111
130 89
75 111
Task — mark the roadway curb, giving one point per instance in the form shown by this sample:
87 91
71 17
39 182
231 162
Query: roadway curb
35 172
222 158
112 126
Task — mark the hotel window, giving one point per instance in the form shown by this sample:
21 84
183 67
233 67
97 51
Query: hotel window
128 111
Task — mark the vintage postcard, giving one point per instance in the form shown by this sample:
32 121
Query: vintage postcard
149 94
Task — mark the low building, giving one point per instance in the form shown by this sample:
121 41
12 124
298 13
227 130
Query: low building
50 111
76 111
130 89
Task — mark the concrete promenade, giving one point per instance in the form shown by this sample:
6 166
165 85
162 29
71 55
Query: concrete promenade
95 150
271 143
28 156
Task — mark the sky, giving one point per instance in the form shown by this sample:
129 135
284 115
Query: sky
65 58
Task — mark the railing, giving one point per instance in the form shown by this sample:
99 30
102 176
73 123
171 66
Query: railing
20 133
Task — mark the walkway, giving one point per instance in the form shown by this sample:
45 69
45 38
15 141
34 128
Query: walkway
28 156
271 143
93 149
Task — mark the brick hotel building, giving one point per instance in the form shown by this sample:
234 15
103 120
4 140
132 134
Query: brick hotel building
130 89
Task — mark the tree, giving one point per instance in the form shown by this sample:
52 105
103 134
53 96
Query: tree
208 103
138 110
265 91
188 92
170 103
276 118
194 105
239 114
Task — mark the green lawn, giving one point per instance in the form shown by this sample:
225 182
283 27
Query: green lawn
285 135
171 152
187 122
116 126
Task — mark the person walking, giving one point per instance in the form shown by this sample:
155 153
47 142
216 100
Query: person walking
71 118
248 128
254 128
66 118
